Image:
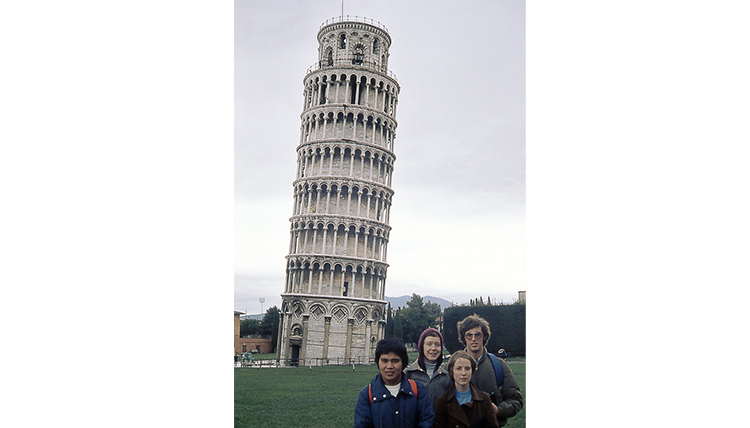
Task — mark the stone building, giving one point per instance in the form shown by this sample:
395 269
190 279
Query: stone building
333 307
237 349
262 345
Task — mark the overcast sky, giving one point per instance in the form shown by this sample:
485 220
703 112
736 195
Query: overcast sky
459 177
116 178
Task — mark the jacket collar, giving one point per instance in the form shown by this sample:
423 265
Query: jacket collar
483 356
476 394
379 390
415 366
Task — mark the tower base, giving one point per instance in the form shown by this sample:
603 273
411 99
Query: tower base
321 330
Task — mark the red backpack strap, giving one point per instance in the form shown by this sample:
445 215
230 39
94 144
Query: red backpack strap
369 392
413 387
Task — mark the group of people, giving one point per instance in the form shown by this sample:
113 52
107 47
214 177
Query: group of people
475 389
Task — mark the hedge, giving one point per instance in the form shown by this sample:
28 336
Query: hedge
507 327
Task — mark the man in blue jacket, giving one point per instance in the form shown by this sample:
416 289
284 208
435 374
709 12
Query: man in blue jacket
392 400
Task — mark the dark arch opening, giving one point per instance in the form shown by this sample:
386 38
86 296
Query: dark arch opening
342 41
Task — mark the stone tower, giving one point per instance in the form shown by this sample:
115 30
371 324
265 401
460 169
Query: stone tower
333 307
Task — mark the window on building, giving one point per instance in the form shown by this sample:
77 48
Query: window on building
359 54
358 58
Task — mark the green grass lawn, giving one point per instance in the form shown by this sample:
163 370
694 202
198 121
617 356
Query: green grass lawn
519 369
318 397
264 356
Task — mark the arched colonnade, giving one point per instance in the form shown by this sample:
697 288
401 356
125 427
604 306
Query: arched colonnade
343 199
359 125
334 278
343 160
339 240
357 89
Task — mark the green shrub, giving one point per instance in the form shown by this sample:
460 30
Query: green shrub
507 327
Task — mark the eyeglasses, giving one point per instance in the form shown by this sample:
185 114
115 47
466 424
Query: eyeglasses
470 336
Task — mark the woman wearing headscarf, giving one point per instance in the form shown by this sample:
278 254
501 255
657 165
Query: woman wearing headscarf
427 368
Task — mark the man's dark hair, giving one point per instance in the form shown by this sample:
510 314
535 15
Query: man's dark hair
392 345
470 322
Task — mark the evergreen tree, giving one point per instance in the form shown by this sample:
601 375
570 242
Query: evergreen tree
416 301
389 323
398 328
249 327
433 311
269 325
418 316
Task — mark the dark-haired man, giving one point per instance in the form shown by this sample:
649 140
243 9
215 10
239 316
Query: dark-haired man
474 332
391 399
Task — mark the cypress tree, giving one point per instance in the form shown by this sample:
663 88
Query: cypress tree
389 323
398 328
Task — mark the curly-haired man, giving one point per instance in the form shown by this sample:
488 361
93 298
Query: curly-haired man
474 332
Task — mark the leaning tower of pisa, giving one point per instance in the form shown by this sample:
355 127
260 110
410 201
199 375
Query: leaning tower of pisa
333 307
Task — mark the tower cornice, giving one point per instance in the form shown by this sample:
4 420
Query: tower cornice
345 64
319 297
341 219
341 180
342 108
335 141
352 261
354 23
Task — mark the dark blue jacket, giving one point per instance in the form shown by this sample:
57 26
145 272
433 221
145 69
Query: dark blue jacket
386 411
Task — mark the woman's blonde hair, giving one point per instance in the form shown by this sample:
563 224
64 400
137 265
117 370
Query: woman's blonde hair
461 354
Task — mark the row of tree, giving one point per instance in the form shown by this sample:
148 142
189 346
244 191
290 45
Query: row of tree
409 322
507 323
268 326
481 302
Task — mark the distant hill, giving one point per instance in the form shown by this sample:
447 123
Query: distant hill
401 301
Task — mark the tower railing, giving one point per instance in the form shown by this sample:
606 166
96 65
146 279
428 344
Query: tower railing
355 18
340 62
